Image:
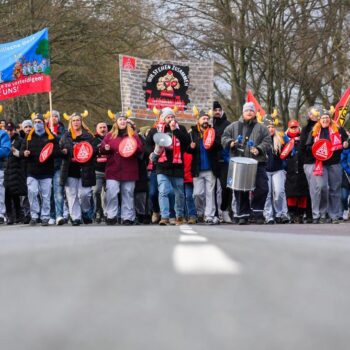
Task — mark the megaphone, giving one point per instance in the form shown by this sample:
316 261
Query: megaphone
161 140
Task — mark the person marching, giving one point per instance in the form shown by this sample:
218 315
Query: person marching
5 149
220 123
170 165
78 169
15 179
296 183
276 204
204 153
40 168
249 138
325 176
122 146
99 189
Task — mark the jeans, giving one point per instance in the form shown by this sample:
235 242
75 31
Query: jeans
276 202
167 185
99 194
345 197
57 196
190 208
2 195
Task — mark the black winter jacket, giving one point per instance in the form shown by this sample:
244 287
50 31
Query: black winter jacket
167 167
14 173
35 145
87 170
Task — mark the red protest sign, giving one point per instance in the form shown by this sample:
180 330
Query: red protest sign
127 147
82 152
46 152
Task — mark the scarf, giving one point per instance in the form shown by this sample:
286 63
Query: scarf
336 142
175 147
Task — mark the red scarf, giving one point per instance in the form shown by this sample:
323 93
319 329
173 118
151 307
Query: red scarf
337 144
175 147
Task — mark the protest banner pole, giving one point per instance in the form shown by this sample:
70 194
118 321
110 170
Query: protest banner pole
50 103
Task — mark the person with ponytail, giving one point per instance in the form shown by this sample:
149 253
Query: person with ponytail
78 178
275 209
39 174
325 177
122 171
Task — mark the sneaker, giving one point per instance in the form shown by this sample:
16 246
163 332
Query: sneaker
179 221
27 220
226 217
260 221
33 222
87 221
10 221
270 222
110 222
2 220
172 221
216 220
316 221
243 221
164 222
285 219
52 222
60 221
200 219
209 221
128 222
155 218
75 222
191 220
335 221
45 222
346 215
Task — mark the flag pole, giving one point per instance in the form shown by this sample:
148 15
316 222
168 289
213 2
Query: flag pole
50 102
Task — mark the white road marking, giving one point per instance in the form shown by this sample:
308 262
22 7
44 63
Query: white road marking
203 259
187 230
192 239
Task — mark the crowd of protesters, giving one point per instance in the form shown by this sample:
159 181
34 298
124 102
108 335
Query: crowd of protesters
42 180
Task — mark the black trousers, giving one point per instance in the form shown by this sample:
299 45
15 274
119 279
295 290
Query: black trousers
253 203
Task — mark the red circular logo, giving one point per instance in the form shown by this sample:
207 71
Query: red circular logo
46 152
82 152
322 149
127 147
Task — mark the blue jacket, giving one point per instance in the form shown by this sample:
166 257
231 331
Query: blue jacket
5 147
345 160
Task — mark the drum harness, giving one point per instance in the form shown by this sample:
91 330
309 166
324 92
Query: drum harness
242 144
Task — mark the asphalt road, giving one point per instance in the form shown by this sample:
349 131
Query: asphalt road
151 287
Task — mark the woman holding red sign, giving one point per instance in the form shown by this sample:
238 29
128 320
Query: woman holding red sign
78 169
325 143
123 146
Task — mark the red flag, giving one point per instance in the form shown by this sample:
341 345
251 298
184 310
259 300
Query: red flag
259 110
341 108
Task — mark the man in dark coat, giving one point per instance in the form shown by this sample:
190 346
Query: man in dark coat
220 123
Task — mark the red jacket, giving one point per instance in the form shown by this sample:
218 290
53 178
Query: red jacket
187 168
117 167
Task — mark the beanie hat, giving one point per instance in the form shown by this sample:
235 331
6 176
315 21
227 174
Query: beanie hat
166 112
202 113
27 122
268 120
292 123
56 114
249 106
325 112
216 104
39 116
10 126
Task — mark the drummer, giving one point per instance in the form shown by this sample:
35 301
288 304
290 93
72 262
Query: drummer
248 138
39 172
325 177
122 169
78 174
